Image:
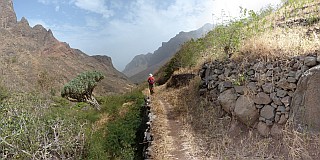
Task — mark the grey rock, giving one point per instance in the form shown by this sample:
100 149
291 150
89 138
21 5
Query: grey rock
305 101
259 66
221 77
298 74
282 120
227 72
269 66
287 109
286 115
212 85
239 89
227 100
218 71
207 74
296 66
274 105
269 122
262 119
262 98
281 93
281 109
277 69
227 84
286 101
250 72
267 112
276 131
252 86
246 111
291 80
269 73
267 88
263 129
290 93
310 61
292 74
318 58
273 95
304 68
283 83
277 118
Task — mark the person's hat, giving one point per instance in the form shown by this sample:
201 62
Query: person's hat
150 75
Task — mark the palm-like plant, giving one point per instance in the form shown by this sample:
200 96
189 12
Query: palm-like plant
80 88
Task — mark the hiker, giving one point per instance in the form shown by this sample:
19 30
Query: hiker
151 81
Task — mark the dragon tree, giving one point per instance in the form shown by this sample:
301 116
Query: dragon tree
80 88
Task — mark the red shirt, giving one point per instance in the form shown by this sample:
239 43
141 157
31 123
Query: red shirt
151 80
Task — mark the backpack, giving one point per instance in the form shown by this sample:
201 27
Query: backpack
151 80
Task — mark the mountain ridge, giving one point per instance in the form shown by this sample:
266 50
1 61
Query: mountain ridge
34 60
137 70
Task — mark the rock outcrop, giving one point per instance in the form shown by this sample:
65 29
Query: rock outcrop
32 59
306 101
259 92
8 17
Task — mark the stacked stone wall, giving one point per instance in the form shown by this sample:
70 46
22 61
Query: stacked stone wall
258 92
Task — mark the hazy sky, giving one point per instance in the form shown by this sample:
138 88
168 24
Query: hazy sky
122 29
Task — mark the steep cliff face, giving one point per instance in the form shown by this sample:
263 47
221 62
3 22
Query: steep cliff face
137 64
32 59
8 17
139 68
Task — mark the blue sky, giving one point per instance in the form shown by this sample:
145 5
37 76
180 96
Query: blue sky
122 29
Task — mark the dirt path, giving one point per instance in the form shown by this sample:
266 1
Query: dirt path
172 140
179 144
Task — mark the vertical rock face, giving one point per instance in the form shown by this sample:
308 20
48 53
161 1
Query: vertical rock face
306 101
8 17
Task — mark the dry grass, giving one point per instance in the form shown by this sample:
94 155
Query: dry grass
101 122
161 145
281 42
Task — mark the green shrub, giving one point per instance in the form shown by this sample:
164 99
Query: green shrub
30 131
117 139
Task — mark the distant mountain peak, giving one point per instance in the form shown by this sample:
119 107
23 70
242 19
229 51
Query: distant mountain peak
142 65
32 59
8 17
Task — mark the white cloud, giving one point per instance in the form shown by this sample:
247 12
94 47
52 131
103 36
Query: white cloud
142 25
57 8
96 6
44 1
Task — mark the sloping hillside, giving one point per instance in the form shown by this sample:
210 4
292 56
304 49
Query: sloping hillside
140 67
32 59
255 95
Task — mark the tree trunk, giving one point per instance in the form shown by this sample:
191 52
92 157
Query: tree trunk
91 100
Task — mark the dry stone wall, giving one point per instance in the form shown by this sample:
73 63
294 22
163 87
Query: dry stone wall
258 92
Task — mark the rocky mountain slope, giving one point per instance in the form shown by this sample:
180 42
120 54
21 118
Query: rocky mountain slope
32 59
139 68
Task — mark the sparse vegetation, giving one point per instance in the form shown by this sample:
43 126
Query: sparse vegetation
36 127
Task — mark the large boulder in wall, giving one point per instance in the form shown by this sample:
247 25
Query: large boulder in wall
305 111
228 99
246 111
